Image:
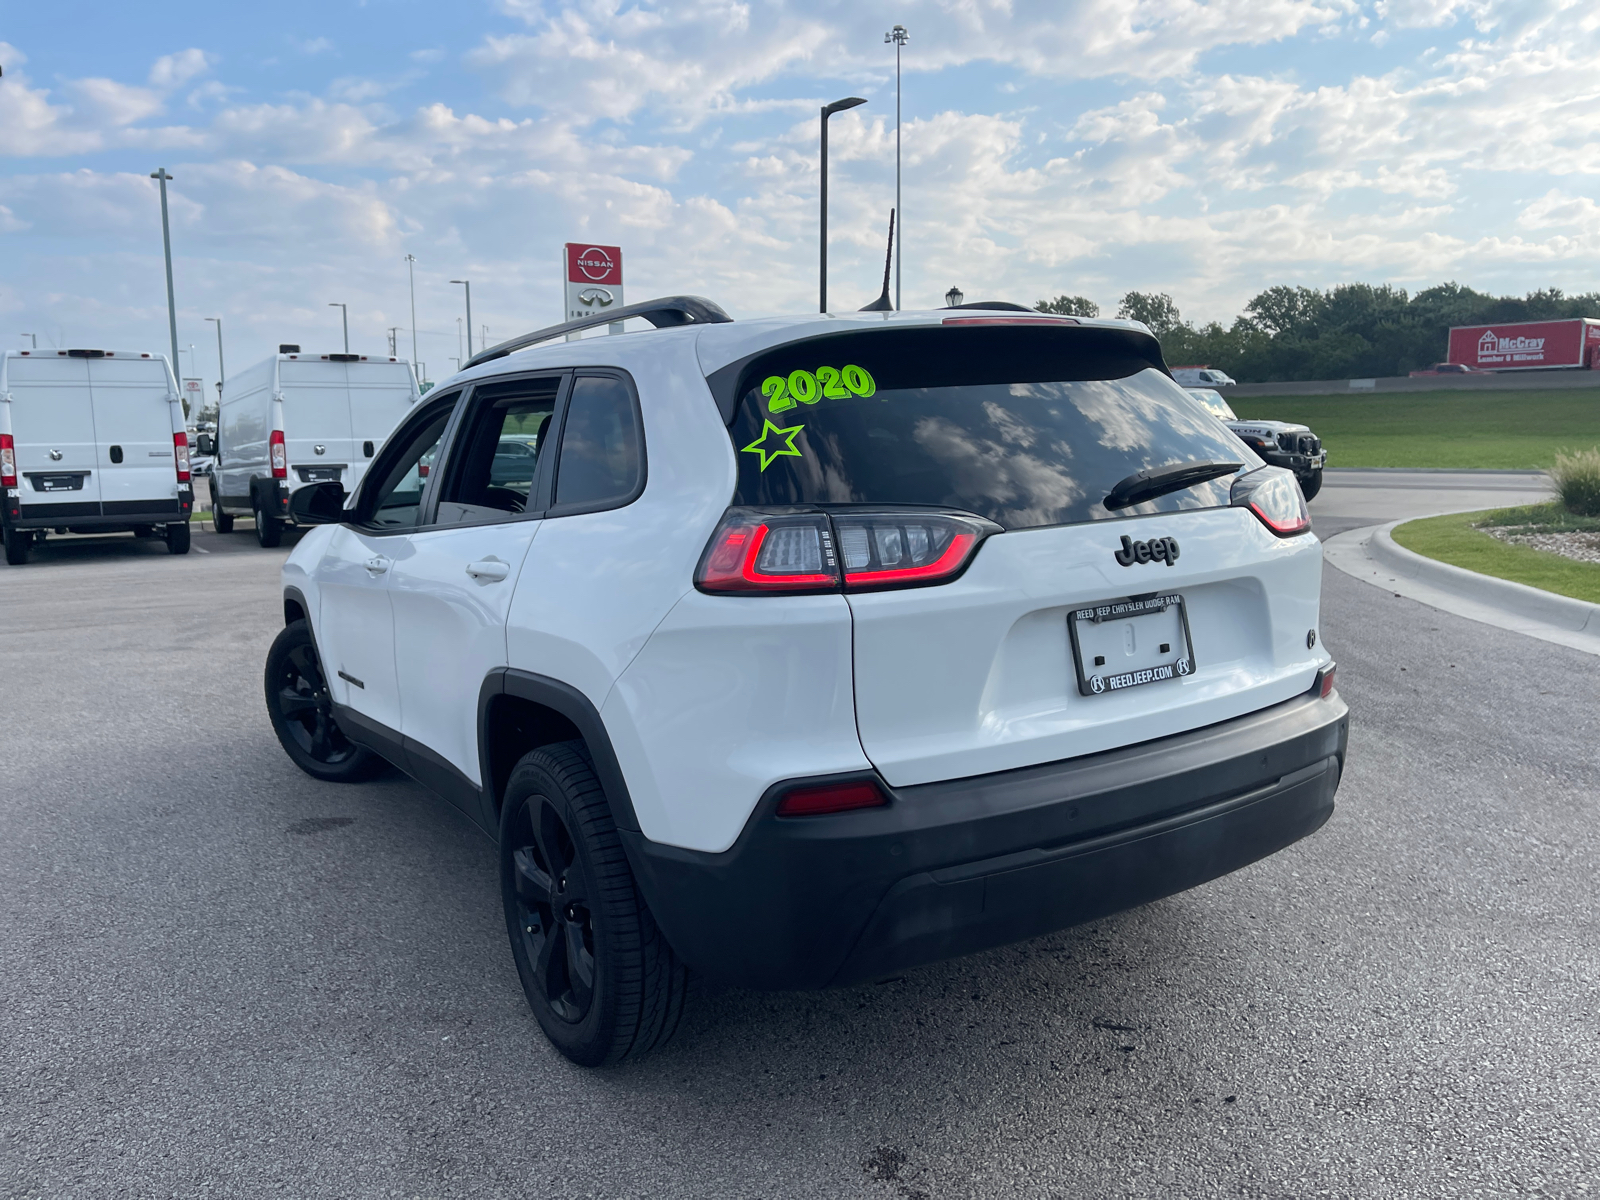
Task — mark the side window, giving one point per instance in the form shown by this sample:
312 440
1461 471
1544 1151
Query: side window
492 472
601 447
397 499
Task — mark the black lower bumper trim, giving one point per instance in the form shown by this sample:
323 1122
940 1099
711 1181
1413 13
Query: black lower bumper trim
952 868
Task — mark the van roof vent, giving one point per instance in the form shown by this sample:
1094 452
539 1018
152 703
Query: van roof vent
288 348
86 353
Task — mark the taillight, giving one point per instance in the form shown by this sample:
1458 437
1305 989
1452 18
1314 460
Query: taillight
180 455
280 456
755 551
8 461
907 548
1273 494
831 798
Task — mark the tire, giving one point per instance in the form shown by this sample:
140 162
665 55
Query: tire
17 544
600 978
302 712
178 538
1311 483
269 530
220 521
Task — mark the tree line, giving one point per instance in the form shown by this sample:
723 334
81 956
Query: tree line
1354 330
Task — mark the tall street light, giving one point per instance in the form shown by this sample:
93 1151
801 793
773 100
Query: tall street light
467 283
34 336
221 376
827 111
344 312
160 174
411 273
899 37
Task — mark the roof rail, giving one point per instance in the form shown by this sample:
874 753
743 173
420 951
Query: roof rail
668 310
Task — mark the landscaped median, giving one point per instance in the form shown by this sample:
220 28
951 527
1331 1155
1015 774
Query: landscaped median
1463 540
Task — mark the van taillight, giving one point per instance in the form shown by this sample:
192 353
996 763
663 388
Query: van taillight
854 550
180 455
280 456
8 461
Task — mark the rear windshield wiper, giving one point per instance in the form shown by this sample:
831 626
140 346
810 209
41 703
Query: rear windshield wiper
1158 481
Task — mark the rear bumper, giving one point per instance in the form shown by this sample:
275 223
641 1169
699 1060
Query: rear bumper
92 515
952 868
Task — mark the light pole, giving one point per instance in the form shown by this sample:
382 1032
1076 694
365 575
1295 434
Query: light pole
411 263
953 298
827 111
34 336
160 173
467 283
394 335
344 311
899 37
221 376
458 342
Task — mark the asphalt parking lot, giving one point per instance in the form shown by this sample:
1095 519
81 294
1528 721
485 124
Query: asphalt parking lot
219 977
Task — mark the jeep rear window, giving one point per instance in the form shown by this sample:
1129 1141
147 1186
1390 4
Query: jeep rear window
1026 426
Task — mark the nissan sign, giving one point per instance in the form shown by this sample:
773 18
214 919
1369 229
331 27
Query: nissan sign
593 279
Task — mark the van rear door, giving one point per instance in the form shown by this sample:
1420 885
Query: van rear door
381 394
52 421
316 419
133 425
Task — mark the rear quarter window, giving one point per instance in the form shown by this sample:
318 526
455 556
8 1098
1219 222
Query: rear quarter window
1026 426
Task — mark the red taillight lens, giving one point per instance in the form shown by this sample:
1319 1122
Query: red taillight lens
1019 319
753 552
1323 687
8 461
831 798
280 456
905 549
1273 494
180 455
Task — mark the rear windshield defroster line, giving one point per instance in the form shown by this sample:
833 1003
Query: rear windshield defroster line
1025 426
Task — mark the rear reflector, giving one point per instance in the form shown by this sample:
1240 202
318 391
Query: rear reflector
1273 494
280 456
180 455
831 798
1323 685
8 461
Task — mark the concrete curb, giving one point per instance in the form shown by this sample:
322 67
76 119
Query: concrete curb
1371 555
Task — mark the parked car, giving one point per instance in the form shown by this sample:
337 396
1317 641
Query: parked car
91 441
816 648
1281 443
296 419
1448 368
1202 377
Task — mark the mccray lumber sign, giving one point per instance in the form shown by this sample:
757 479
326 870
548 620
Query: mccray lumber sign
1527 345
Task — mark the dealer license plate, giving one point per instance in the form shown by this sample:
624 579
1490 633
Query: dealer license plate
1123 644
58 483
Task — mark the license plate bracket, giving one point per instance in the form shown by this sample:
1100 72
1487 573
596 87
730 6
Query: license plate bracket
1122 644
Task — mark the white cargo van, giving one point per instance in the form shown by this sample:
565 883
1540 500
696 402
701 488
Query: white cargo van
297 419
91 441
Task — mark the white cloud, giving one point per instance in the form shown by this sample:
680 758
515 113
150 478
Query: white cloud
175 70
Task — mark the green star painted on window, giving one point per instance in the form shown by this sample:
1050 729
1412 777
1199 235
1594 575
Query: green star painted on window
784 442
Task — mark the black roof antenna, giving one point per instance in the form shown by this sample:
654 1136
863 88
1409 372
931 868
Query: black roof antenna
883 303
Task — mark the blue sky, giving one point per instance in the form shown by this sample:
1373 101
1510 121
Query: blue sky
1208 150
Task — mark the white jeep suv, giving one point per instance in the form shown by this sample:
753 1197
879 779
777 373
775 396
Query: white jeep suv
804 651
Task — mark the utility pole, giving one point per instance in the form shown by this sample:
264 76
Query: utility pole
411 263
468 285
344 311
221 376
899 37
34 336
827 111
166 241
394 335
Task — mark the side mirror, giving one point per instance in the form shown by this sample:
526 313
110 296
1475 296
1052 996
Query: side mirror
204 443
318 504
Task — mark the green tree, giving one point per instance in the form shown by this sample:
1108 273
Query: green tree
1154 309
1070 306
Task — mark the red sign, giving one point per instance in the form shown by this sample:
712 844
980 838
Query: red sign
1521 345
587 263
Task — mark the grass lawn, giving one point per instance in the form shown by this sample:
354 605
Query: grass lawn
1453 539
1441 429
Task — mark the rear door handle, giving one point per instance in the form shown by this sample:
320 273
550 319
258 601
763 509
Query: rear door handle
489 569
377 564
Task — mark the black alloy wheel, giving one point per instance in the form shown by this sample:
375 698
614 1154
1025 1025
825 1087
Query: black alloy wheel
302 711
599 976
552 907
